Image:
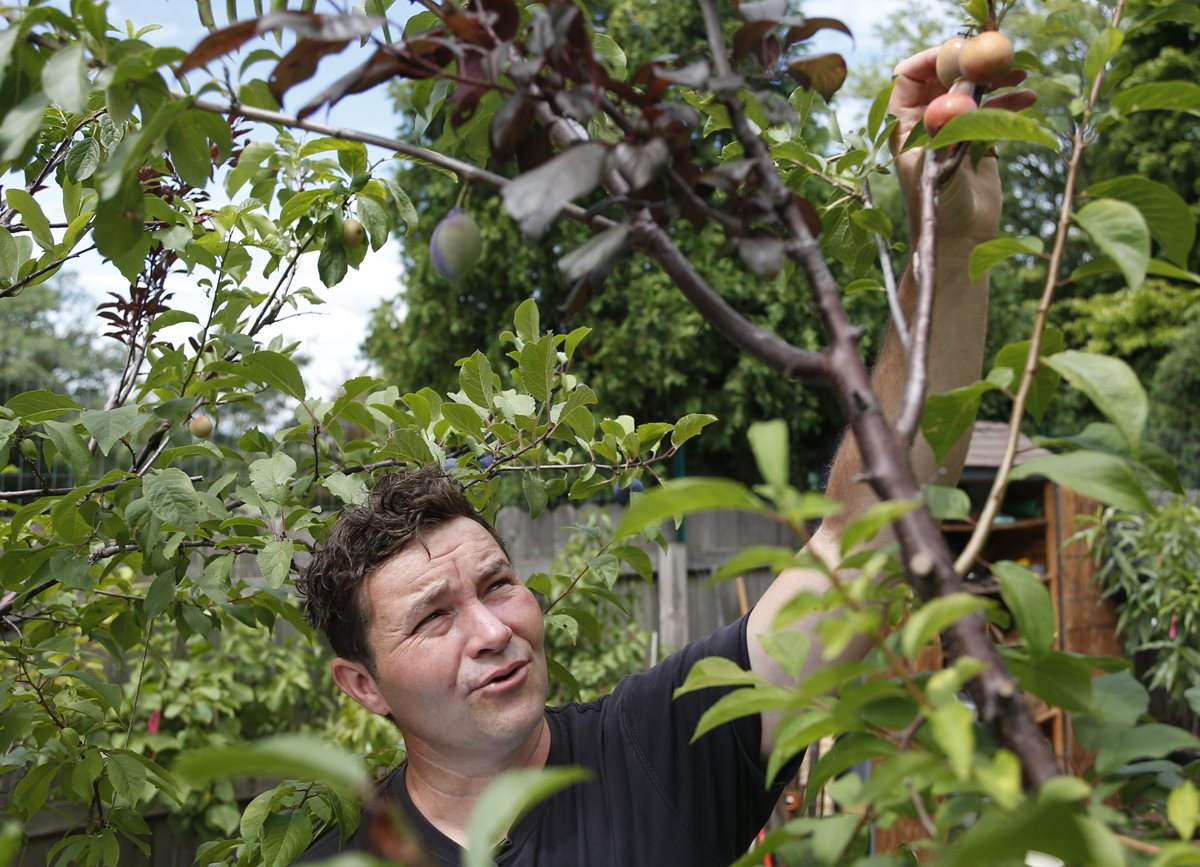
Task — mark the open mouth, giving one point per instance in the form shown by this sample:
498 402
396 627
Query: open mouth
502 680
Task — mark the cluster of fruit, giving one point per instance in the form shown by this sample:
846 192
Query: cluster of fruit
961 64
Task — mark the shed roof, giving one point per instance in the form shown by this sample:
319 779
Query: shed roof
987 446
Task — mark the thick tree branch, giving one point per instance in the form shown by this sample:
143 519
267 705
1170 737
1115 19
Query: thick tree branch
885 455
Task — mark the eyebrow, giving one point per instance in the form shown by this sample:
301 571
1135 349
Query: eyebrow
429 595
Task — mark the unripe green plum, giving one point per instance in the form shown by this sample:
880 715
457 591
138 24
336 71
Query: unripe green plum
945 108
456 244
948 68
987 58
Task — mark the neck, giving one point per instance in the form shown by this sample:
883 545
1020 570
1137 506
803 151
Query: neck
445 787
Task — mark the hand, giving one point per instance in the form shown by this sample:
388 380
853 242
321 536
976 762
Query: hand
969 203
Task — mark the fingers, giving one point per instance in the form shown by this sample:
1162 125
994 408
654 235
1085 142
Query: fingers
919 67
1012 101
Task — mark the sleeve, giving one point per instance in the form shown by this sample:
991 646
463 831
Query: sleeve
716 784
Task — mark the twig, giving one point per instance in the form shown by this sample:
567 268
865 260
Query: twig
34 493
9 291
919 805
991 507
926 273
460 168
889 276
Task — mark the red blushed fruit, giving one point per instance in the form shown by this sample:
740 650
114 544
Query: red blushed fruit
948 68
945 108
987 58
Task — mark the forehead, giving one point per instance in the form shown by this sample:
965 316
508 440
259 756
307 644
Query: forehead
460 547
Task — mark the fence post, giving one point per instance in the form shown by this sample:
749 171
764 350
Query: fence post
673 597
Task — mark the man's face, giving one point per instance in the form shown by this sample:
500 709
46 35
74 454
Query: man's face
457 644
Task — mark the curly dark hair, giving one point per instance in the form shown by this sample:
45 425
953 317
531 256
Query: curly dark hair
400 510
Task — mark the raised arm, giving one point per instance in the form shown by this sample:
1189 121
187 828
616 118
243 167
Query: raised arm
968 213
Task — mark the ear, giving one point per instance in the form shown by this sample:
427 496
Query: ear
356 681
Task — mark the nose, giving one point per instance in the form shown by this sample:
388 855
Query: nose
488 633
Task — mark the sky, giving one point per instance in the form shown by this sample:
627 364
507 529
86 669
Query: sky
331 334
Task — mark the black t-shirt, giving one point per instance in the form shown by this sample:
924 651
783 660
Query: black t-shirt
654 798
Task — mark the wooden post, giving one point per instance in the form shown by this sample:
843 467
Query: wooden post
673 597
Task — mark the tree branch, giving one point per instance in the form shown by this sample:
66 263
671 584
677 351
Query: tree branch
923 548
991 507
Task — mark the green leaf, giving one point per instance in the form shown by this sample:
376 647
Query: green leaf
526 321
689 426
275 561
685 497
1029 601
31 791
82 160
538 360
159 596
992 124
109 426
717 671
10 256
863 530
300 204
375 218
127 775
769 442
1183 810
351 490
1097 475
953 730
1166 213
934 616
741 703
1120 698
989 254
1101 50
65 78
1112 387
301 757
509 797
948 416
189 149
332 262
408 445
1164 95
251 157
31 215
774 558
1151 741
70 446
1061 679
1121 233
788 648
271 476
610 53
284 837
475 379
35 407
275 370
947 504
535 494
1014 357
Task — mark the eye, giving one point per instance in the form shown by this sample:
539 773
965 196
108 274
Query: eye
500 582
429 618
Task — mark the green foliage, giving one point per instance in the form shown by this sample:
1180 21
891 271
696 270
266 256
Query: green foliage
153 648
1149 563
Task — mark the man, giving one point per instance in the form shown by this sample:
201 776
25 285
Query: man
432 627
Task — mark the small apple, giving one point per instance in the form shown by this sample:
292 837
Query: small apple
353 234
948 68
945 108
201 427
987 58
456 244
